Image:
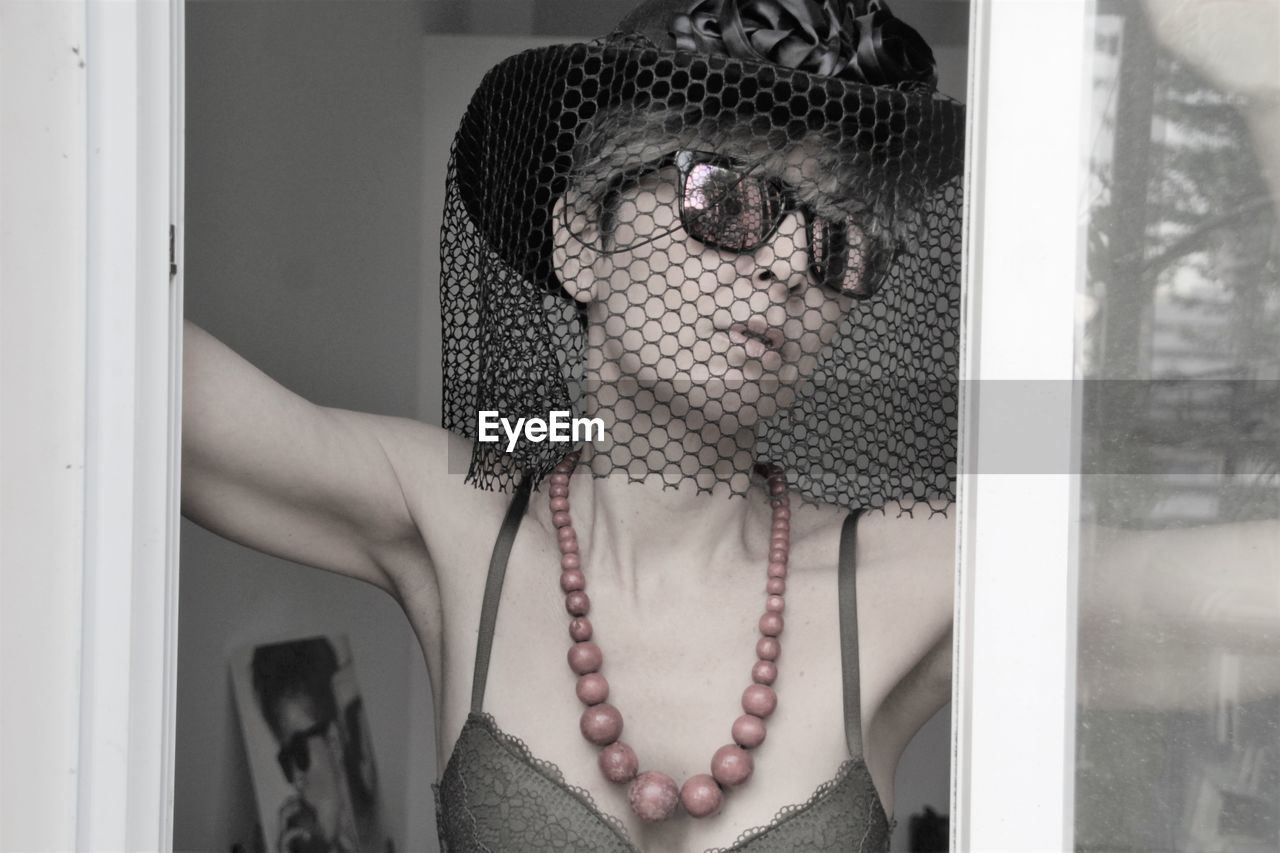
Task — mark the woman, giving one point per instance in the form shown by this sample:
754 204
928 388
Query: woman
712 341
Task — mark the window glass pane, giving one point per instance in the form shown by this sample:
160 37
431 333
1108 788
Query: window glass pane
1178 731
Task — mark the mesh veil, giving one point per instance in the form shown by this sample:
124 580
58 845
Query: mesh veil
726 260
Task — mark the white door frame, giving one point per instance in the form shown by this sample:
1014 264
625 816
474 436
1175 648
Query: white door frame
133 373
1014 701
92 144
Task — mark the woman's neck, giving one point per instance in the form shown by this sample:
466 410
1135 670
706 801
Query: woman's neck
649 533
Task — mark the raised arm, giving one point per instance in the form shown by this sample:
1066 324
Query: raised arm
270 470
1159 609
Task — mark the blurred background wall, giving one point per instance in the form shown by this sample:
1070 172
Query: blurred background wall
317 132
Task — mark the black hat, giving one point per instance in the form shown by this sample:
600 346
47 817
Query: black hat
874 418
846 64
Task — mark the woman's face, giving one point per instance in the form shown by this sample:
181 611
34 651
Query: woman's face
730 332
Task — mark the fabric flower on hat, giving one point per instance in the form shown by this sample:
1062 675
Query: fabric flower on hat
861 40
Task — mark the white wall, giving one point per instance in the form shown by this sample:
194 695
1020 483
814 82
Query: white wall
42 428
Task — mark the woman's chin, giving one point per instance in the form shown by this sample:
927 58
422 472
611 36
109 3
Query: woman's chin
748 393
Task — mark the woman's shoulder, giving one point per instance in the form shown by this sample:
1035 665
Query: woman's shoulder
432 463
919 537
906 602
451 513
906 560
894 538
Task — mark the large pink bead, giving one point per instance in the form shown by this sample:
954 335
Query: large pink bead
559 490
764 672
776 554
577 603
770 623
601 724
759 700
775 586
592 688
570 561
561 519
768 648
618 762
572 580
559 478
781 513
777 568
653 795
781 524
731 765
580 629
779 539
748 731
585 657
777 487
701 796
566 535
774 604
560 504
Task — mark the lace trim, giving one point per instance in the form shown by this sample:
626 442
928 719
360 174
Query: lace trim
789 812
783 815
552 772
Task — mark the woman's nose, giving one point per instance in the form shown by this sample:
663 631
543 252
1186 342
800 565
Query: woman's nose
780 263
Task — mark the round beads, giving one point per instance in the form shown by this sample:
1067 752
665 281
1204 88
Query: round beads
748 731
618 762
585 657
701 796
653 795
601 724
731 765
592 688
759 701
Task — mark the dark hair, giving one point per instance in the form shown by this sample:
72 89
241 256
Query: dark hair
297 668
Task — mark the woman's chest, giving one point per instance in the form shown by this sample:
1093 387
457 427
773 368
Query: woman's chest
678 650
497 797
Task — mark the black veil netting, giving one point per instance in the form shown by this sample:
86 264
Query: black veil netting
730 230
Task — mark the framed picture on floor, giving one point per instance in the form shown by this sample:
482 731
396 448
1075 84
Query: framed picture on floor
308 746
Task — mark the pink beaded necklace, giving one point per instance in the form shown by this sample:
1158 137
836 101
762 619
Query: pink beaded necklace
653 795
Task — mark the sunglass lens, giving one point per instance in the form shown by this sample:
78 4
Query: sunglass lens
727 209
295 755
838 253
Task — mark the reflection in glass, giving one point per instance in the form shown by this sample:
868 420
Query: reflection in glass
1178 732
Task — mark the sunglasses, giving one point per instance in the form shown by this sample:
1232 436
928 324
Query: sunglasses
724 205
295 754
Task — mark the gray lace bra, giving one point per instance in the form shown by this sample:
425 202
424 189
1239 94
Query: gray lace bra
496 797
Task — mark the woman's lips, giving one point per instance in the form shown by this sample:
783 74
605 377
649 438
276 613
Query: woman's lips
755 338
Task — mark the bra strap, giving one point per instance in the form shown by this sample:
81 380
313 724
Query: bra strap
493 590
847 593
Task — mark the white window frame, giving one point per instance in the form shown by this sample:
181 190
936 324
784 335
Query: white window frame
94 106
132 425
133 53
1015 622
1014 701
